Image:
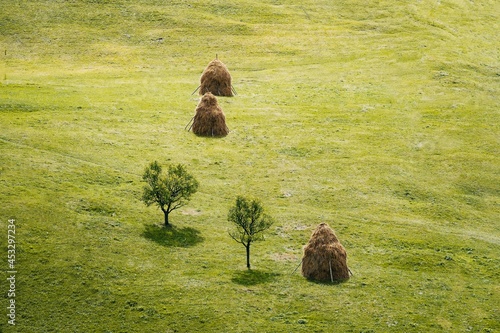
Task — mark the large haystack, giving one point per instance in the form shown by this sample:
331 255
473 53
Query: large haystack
216 79
209 119
325 259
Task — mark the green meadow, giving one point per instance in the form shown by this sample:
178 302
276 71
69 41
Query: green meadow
380 118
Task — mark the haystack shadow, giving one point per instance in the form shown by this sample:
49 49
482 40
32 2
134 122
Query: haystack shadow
172 236
254 277
328 283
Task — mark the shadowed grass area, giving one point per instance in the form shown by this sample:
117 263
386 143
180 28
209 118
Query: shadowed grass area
172 236
253 277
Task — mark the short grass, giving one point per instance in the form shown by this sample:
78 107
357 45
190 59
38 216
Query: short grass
380 118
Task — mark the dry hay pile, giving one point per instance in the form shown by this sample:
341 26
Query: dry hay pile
325 259
209 119
216 79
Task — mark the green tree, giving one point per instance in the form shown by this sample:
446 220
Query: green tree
249 221
168 191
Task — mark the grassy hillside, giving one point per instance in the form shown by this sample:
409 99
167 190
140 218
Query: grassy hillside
379 118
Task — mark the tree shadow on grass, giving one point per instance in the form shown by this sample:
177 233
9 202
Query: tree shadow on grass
172 236
252 277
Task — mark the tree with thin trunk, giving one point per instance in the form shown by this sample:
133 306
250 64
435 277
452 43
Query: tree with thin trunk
168 191
249 221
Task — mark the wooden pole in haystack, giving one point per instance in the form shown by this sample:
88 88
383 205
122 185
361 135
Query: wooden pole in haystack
325 259
216 79
209 119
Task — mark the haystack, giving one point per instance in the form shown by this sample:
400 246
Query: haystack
216 79
209 119
325 259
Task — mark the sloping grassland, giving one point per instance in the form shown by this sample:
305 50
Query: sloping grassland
380 118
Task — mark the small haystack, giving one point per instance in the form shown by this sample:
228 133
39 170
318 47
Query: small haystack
325 259
209 119
216 79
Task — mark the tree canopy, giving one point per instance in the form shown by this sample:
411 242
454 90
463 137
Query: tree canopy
168 191
250 222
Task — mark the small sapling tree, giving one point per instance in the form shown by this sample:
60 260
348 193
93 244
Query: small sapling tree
249 221
168 191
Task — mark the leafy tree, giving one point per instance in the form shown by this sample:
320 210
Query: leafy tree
168 191
250 222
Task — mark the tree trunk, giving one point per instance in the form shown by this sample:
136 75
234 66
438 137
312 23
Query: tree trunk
247 246
165 212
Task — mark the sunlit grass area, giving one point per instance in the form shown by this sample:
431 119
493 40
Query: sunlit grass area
380 119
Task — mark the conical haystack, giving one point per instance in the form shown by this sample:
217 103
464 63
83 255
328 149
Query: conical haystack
216 79
209 119
325 259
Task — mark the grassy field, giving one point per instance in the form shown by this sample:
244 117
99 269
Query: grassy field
380 118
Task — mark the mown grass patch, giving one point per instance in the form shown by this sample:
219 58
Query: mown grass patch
380 119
